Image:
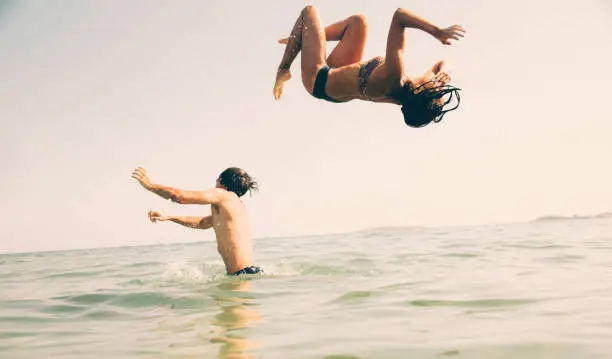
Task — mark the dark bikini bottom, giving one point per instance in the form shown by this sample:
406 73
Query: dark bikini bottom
318 90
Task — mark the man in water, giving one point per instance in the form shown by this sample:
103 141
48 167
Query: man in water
228 215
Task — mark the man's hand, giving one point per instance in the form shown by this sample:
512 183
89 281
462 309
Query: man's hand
454 32
141 176
156 216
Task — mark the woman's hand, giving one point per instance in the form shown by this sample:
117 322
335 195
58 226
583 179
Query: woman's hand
282 76
454 32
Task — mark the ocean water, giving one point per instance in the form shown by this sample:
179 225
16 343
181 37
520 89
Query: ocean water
540 289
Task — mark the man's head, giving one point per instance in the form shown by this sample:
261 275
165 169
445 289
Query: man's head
236 180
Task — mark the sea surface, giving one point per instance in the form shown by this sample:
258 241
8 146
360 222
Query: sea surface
540 289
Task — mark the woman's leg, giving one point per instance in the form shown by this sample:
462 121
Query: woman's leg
352 34
308 37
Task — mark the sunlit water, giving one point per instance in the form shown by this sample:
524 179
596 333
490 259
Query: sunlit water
530 290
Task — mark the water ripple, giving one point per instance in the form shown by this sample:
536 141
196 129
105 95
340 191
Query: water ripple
483 303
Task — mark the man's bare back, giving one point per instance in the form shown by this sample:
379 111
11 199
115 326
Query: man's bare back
233 233
228 215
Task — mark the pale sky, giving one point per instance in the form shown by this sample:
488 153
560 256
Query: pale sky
92 89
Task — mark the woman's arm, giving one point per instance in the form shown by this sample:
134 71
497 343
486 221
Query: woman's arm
408 19
403 19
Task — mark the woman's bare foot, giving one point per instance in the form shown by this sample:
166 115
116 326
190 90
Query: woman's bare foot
435 77
432 77
439 66
430 81
282 76
441 79
283 41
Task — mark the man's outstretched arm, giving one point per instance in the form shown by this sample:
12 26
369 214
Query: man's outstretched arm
191 222
211 196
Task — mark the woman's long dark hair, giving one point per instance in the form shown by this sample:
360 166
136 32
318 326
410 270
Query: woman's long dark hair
418 106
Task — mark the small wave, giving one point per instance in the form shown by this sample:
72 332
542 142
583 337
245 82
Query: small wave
330 270
9 335
144 264
130 300
353 296
133 282
94 298
13 275
103 314
73 275
62 309
447 353
362 261
572 218
127 300
461 255
389 229
536 246
20 303
396 286
139 300
484 303
563 258
553 218
25 319
540 349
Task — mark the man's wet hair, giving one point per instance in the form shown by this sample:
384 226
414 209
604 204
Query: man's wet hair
236 180
418 106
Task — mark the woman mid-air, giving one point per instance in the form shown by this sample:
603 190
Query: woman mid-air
343 77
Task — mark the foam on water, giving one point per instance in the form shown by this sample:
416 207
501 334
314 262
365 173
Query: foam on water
185 271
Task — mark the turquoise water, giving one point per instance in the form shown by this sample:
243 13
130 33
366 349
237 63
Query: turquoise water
527 290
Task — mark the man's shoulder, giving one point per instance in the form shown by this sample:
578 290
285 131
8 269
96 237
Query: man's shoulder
225 196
